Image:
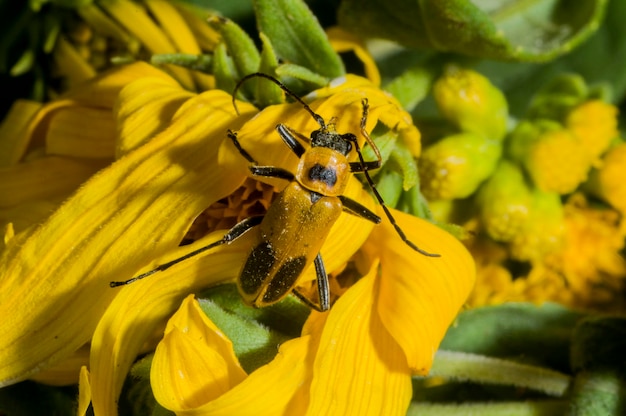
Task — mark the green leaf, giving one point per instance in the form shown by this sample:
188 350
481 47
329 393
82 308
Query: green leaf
297 36
598 358
538 334
411 87
519 30
600 59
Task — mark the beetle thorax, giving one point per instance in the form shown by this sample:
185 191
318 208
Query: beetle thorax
323 170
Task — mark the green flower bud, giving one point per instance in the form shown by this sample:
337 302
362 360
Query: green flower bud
455 166
471 102
505 202
555 100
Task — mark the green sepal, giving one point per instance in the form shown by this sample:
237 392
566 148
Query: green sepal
297 36
267 93
24 63
389 186
411 87
224 69
255 333
534 31
202 63
240 46
52 29
303 74
555 100
402 156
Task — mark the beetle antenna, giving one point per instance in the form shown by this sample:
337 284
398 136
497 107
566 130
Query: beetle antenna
317 117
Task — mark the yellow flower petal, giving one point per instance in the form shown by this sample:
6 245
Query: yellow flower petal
13 144
103 90
343 41
136 209
134 17
84 392
136 314
269 390
144 108
81 132
43 178
359 368
419 295
179 383
67 371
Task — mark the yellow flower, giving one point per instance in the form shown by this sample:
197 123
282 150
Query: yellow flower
594 122
174 161
607 181
367 346
587 271
553 156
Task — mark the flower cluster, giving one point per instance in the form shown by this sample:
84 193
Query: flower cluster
522 192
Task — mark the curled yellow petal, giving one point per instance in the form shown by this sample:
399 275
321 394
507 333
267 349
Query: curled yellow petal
179 383
359 368
269 390
419 295
140 310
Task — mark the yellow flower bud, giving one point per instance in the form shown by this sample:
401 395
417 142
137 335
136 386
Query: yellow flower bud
543 232
505 202
594 123
455 166
469 100
555 159
607 182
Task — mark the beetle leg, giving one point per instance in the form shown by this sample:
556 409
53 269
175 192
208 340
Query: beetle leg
352 207
232 135
323 290
234 233
272 172
392 220
289 137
